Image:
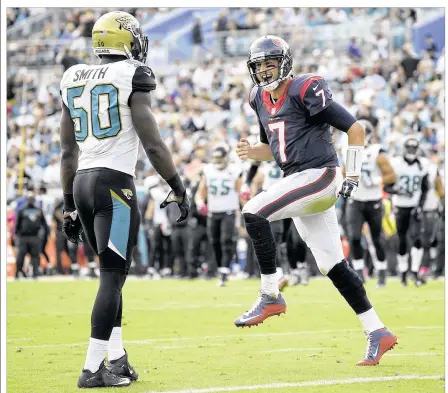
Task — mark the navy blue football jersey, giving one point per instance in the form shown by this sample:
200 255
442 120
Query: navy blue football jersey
298 140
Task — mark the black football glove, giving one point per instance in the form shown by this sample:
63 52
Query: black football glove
348 188
416 212
182 201
72 227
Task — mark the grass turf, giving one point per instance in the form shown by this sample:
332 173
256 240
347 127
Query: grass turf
180 335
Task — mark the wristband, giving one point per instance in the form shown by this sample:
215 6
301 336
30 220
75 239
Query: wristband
353 161
176 185
69 203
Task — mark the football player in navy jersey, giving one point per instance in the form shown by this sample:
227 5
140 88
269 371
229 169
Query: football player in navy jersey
295 114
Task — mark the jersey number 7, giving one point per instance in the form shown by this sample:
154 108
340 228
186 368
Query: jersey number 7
279 127
104 112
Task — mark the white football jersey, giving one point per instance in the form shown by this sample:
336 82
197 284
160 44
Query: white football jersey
221 191
432 198
409 178
367 190
98 99
272 174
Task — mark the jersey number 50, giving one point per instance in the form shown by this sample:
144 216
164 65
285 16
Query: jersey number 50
104 112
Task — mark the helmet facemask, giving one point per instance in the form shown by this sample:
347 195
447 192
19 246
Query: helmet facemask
411 149
219 158
284 71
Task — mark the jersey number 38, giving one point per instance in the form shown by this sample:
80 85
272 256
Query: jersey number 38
103 114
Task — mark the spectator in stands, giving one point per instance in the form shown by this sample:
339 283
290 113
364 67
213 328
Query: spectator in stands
410 61
198 40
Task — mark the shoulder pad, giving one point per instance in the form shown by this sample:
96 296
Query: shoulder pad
143 79
301 83
252 96
68 73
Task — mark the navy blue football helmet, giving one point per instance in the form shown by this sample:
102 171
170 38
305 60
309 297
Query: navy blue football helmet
265 48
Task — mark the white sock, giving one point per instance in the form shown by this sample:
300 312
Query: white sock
416 259
402 263
115 348
358 264
96 353
269 284
380 265
370 320
279 272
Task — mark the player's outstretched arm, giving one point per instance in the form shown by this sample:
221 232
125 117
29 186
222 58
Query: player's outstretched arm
148 132
70 150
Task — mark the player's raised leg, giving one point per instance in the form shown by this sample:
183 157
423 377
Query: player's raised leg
300 193
321 233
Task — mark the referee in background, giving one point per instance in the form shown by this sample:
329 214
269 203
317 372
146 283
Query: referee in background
30 221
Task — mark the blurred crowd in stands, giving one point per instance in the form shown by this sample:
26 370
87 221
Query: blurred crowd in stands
397 90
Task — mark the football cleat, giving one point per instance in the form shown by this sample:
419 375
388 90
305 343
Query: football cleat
122 368
265 306
102 378
378 343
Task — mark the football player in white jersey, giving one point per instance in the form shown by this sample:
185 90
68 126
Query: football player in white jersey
219 190
366 205
106 111
431 219
409 196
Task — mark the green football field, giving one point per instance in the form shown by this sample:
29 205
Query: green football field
180 338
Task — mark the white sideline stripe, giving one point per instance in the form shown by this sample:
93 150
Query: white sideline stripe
324 382
253 335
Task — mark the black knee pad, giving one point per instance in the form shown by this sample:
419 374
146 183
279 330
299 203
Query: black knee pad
357 250
263 241
111 261
350 286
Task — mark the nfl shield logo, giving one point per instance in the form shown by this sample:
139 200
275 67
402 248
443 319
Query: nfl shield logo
273 111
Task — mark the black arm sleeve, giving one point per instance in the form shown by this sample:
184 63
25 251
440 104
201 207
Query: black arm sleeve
252 172
425 188
337 116
143 80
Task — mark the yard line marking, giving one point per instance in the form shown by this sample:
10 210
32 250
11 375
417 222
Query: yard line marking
428 327
413 354
169 306
282 385
298 349
19 339
241 335
189 346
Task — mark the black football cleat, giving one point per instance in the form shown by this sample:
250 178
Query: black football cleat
122 368
102 378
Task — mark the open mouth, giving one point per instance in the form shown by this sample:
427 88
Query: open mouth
267 77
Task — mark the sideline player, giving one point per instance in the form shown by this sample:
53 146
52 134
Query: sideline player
295 114
367 206
106 110
220 185
411 190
